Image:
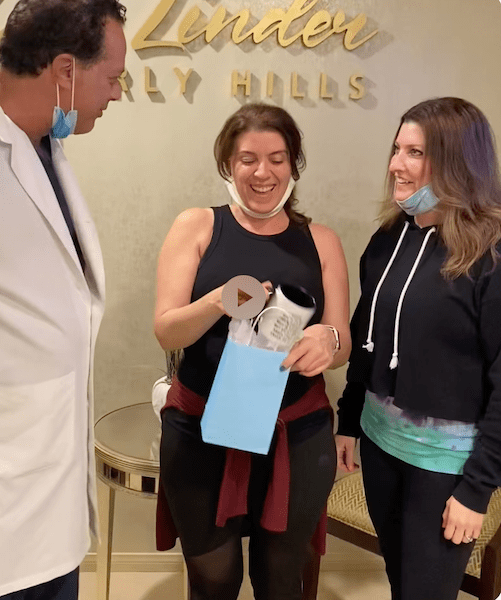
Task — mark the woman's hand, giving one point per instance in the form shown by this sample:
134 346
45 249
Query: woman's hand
345 448
313 353
461 524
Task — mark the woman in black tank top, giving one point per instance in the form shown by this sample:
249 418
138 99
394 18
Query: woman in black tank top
259 153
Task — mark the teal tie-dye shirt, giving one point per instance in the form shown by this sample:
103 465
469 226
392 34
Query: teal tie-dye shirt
428 443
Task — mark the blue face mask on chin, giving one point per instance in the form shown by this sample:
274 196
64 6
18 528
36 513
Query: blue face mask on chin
420 202
64 125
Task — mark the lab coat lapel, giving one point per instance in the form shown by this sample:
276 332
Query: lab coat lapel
30 173
84 225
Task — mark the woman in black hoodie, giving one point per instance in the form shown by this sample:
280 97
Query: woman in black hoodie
424 382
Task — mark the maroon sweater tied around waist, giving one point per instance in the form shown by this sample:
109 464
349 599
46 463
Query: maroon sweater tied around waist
235 482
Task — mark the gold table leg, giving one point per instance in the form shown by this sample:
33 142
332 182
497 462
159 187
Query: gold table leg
106 499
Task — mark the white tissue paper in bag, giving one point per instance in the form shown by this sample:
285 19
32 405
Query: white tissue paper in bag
279 332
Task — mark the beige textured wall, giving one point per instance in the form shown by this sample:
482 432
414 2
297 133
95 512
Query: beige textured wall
151 157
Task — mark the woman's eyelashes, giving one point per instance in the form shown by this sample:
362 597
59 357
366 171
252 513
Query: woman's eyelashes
411 151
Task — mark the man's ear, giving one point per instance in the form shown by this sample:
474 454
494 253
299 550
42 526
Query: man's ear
62 70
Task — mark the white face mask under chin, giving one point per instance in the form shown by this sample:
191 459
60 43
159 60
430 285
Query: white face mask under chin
232 189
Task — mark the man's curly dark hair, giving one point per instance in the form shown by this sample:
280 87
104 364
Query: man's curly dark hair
39 30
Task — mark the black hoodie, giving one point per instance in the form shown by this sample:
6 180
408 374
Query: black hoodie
448 342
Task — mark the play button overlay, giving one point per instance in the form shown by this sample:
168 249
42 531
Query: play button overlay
243 297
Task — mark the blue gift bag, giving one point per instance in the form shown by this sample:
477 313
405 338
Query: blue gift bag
245 398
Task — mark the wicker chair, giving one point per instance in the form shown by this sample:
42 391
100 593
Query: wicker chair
348 519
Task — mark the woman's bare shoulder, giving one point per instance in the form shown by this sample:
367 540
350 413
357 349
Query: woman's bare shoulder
191 231
323 235
195 218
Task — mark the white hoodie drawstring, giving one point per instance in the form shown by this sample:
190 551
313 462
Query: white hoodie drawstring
369 345
394 359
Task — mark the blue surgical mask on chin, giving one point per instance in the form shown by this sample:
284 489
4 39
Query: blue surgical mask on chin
64 125
232 189
420 202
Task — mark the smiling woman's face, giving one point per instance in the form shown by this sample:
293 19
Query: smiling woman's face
409 163
261 169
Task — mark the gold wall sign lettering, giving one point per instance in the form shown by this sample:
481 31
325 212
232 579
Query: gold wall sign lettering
320 26
122 80
237 80
148 86
241 84
295 93
183 78
323 88
358 87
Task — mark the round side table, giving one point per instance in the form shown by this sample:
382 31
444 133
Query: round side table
127 441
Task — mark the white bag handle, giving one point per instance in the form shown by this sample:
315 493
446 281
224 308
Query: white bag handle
288 315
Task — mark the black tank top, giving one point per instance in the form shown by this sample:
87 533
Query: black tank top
289 257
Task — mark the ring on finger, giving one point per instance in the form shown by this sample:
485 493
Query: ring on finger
468 539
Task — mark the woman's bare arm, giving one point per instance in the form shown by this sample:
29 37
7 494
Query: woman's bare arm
314 352
178 321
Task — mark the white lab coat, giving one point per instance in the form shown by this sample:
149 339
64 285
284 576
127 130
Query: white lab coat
49 318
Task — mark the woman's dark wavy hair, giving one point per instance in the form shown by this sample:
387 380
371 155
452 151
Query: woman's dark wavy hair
39 30
460 146
263 117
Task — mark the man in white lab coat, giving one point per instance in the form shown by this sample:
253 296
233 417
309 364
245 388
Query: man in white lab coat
60 64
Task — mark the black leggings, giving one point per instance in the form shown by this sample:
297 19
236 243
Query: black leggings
406 505
191 475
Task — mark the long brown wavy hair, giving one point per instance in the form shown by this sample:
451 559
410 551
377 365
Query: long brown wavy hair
263 117
460 146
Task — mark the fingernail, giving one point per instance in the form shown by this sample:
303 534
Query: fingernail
282 368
